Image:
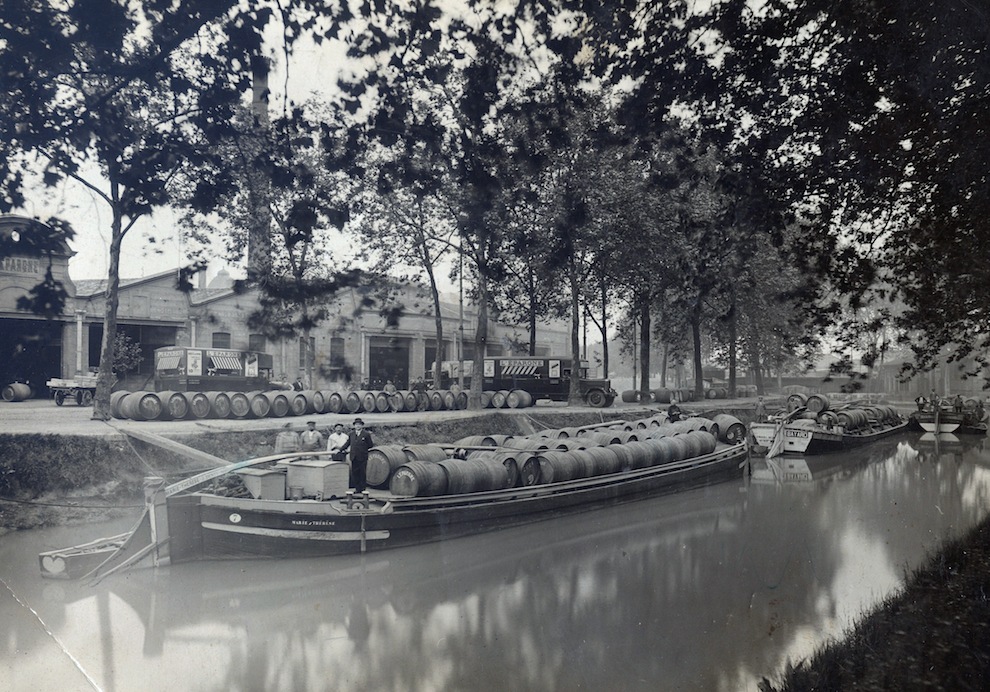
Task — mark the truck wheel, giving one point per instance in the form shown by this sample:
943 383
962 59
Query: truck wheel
78 397
87 398
596 398
59 398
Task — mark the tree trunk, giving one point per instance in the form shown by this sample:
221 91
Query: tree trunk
732 347
532 310
437 315
574 394
480 339
644 347
604 329
699 374
756 365
105 377
663 369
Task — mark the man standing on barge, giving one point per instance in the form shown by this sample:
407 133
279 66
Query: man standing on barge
359 442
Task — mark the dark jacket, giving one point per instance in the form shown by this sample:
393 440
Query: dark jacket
358 443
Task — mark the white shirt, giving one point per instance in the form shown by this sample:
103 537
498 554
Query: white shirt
335 441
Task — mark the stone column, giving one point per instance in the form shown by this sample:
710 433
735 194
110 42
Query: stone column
80 314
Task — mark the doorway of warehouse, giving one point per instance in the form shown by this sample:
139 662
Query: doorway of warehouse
388 359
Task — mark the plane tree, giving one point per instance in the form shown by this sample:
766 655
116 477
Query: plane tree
118 98
878 112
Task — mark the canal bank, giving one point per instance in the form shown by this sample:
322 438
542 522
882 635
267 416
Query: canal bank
934 634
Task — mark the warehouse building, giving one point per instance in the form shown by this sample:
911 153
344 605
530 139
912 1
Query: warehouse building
356 343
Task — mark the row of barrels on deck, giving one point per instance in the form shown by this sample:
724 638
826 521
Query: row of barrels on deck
493 462
818 409
171 405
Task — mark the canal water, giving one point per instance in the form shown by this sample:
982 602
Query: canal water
707 589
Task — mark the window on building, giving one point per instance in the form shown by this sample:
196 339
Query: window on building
221 339
542 351
307 352
257 342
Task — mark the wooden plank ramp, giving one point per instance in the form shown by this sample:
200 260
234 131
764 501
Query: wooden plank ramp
174 447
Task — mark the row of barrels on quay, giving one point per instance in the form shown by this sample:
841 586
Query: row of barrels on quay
173 405
493 462
663 395
818 409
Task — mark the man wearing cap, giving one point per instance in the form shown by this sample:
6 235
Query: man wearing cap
287 440
359 442
311 439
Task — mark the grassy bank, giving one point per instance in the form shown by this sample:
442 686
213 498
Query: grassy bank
933 635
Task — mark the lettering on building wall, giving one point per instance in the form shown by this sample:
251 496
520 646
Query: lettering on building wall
22 265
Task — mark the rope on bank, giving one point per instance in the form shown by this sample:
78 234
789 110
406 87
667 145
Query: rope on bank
73 505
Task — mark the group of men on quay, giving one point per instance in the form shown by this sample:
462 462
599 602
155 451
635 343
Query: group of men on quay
352 446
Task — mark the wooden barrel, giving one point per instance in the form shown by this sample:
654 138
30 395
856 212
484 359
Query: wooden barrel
115 399
466 475
280 404
606 460
259 403
382 402
573 444
638 454
436 400
558 466
240 405
530 444
219 404
174 404
449 400
461 400
16 391
624 455
486 398
499 398
418 479
519 398
708 442
828 418
495 471
300 404
199 405
661 395
397 401
368 401
524 469
426 452
353 402
679 446
629 396
142 406
319 401
383 462
333 402
817 403
796 401
693 443
731 430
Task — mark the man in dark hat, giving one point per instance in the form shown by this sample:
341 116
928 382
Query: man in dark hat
359 442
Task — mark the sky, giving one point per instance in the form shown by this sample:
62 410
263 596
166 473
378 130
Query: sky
154 245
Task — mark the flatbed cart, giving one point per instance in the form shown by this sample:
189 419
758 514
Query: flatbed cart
82 389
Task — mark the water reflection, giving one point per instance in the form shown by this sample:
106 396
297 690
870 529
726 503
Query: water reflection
704 590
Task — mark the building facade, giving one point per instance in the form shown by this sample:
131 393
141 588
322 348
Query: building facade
357 344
